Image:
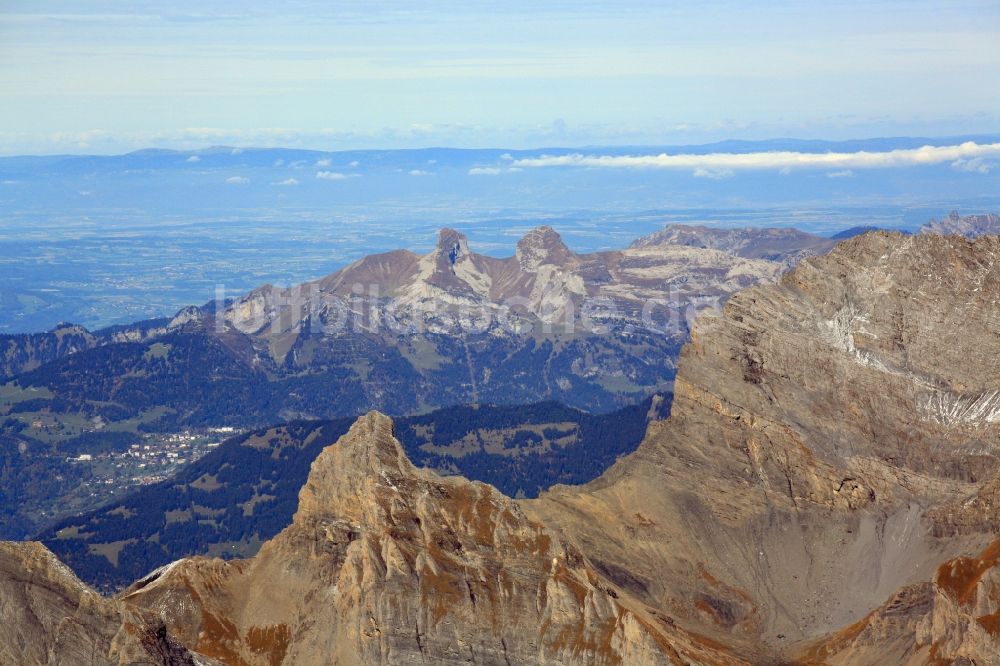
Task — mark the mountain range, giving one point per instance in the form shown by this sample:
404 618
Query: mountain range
276 354
400 331
823 492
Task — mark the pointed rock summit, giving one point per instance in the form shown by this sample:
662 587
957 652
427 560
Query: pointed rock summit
542 245
366 460
452 247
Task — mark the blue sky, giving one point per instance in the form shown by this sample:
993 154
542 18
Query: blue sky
109 76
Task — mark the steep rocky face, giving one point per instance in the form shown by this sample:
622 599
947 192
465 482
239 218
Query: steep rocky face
970 226
385 564
47 616
787 246
820 430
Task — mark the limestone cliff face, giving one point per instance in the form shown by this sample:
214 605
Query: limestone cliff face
388 564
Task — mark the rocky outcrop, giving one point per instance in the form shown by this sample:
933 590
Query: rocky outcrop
970 226
952 619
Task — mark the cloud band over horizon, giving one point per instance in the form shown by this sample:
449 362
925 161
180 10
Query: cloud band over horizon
958 156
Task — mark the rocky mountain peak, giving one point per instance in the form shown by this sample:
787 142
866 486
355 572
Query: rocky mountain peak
452 247
366 460
542 245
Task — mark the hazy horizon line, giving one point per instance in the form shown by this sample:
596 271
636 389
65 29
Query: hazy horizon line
237 148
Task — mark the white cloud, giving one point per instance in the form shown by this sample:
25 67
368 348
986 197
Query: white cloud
926 155
507 157
236 151
237 180
287 182
846 173
325 162
355 164
485 171
714 174
278 163
193 158
331 175
974 165
419 172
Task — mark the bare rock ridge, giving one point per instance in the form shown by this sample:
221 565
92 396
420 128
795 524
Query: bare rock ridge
544 279
383 563
47 616
386 564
